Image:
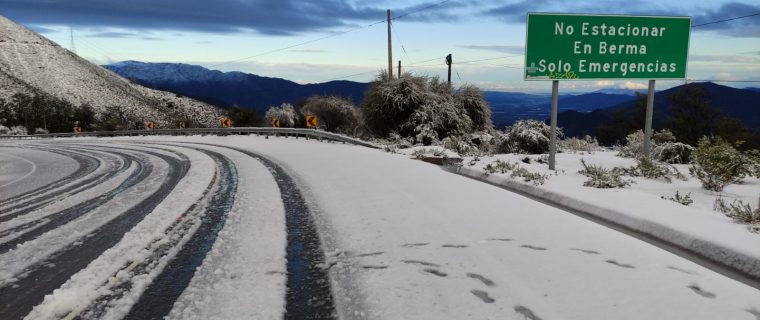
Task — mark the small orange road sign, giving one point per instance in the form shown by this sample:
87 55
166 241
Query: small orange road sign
226 123
181 125
311 121
150 125
276 123
77 129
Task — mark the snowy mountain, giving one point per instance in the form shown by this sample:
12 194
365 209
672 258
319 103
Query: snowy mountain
31 64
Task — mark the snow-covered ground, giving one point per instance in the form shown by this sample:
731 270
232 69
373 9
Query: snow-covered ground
404 239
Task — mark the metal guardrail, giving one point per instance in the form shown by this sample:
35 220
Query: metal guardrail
295 132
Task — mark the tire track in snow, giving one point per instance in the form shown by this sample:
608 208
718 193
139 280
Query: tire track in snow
87 165
29 288
75 188
158 299
57 219
309 293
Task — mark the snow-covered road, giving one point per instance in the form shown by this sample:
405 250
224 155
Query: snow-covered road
222 227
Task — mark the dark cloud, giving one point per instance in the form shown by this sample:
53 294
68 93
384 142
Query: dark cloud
516 12
41 30
501 49
279 17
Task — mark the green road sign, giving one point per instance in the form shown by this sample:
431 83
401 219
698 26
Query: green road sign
575 46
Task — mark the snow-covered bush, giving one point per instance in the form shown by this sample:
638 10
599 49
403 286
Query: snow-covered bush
663 136
600 177
504 167
738 211
534 177
18 131
499 166
673 152
335 114
684 200
422 108
471 98
529 136
463 147
634 144
717 164
285 113
41 131
586 144
649 169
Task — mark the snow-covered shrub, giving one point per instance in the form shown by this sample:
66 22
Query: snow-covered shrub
663 136
673 152
717 164
4 131
633 147
18 131
529 136
335 114
464 147
586 144
41 131
471 98
649 169
504 167
285 113
684 200
422 108
738 211
534 177
500 167
424 152
600 177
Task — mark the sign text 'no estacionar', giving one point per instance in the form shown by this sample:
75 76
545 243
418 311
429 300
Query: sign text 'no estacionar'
573 46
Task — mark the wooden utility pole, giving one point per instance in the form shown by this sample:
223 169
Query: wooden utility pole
399 69
390 52
448 63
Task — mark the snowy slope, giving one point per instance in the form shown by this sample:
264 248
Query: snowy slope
29 63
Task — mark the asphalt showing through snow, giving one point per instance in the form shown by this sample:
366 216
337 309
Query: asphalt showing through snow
308 293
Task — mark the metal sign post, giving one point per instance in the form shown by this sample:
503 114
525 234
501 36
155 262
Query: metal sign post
553 138
648 124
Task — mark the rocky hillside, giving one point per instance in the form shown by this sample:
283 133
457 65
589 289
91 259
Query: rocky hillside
31 64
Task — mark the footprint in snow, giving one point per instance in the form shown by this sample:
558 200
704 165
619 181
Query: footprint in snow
435 272
527 313
454 246
680 270
375 267
484 280
369 254
418 244
622 265
699 291
483 296
427 264
585 251
533 247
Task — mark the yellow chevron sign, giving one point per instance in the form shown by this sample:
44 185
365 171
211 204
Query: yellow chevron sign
276 123
311 121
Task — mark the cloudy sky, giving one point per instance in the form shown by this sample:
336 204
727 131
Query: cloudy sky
346 39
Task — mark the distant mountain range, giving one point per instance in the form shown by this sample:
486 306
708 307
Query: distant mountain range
32 65
252 91
225 89
742 104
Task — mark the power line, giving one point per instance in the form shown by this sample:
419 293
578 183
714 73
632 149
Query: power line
399 41
329 36
725 20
